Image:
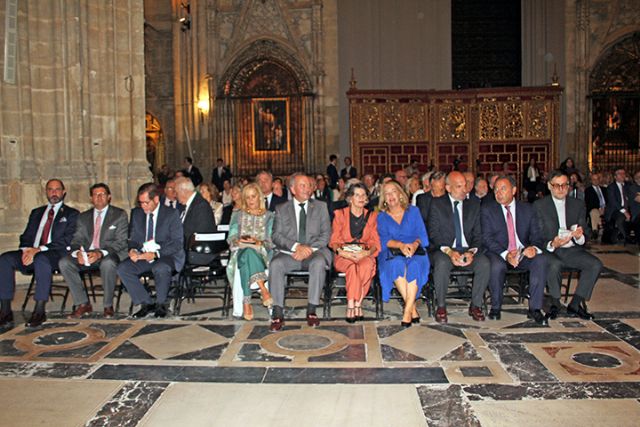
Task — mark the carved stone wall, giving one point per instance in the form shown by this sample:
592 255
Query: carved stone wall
592 26
478 129
76 108
229 37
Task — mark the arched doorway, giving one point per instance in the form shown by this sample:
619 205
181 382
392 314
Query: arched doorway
264 112
614 87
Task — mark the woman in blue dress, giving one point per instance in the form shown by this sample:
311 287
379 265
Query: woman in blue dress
402 232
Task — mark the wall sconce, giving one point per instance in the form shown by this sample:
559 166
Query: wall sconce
203 106
185 20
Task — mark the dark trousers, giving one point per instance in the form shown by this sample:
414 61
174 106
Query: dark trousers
575 257
442 267
42 268
537 267
130 273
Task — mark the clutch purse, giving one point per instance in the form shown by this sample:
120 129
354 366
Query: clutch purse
396 251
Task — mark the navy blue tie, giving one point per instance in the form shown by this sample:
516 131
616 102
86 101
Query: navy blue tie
456 225
150 228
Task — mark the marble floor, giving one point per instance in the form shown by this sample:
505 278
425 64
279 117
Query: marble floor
202 369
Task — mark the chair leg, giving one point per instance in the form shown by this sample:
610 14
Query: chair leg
93 289
64 300
566 292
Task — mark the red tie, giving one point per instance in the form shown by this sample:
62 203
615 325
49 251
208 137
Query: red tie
96 231
511 231
44 239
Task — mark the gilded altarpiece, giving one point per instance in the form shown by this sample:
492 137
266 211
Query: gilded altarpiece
478 130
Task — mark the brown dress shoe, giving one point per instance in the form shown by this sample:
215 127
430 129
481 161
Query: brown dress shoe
441 315
476 313
37 319
276 324
80 311
108 313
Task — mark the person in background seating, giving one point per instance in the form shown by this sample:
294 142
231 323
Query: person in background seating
596 202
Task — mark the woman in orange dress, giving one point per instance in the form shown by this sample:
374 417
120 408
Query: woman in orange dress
355 241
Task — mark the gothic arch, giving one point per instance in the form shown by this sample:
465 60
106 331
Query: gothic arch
618 67
265 57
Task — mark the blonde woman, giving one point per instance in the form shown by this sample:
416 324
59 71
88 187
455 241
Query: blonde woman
251 247
402 261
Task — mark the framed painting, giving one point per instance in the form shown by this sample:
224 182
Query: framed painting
270 124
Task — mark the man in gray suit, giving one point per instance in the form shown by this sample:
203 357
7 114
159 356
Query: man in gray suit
564 233
301 232
100 241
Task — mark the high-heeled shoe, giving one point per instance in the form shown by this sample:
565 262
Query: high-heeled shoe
352 318
358 313
247 311
405 324
415 319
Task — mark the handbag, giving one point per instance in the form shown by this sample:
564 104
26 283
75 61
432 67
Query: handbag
396 251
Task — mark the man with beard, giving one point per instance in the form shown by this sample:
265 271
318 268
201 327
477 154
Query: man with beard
44 241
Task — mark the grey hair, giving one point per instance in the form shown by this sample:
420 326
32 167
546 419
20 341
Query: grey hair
292 178
185 184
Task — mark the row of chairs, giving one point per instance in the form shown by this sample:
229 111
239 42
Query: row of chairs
204 276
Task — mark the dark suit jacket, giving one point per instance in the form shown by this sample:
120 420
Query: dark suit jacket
217 179
423 202
440 223
179 206
113 232
591 198
332 172
169 235
353 173
495 237
198 219
614 200
575 213
285 229
62 229
195 175
275 201
634 206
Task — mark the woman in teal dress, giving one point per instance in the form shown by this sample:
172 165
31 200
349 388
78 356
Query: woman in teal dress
251 247
402 231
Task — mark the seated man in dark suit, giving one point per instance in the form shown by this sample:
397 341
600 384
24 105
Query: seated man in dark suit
423 201
44 241
156 246
265 181
564 232
198 216
480 190
301 232
617 210
595 199
455 234
100 241
511 235
170 198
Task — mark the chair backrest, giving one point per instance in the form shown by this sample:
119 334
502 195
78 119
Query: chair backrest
204 248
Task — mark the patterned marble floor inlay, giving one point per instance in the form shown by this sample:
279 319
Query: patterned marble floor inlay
460 373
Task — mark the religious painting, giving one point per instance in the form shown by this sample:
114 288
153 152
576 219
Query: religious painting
270 117
615 124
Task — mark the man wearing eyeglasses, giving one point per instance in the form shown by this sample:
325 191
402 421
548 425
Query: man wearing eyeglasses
564 229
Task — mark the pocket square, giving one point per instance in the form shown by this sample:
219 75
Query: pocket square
112 227
63 219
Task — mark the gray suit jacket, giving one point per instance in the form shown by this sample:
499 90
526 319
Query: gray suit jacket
113 232
285 229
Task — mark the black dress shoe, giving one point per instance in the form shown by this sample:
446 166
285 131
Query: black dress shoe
37 319
495 314
161 311
6 318
580 312
539 318
144 311
554 310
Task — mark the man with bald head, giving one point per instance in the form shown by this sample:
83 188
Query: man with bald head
455 235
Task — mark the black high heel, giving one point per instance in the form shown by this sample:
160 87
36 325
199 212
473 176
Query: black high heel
415 319
352 318
358 309
405 324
